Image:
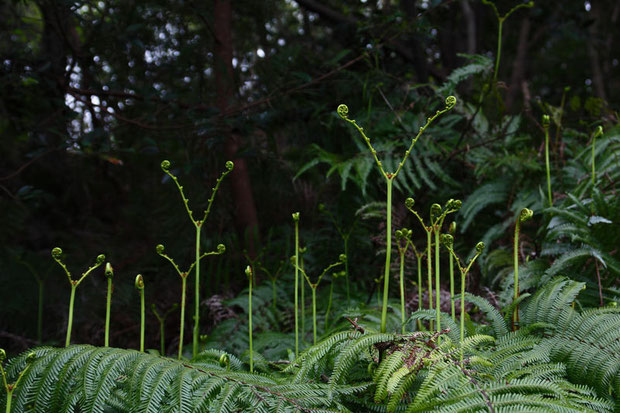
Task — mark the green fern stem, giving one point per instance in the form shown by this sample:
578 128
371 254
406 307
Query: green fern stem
302 326
296 220
139 283
162 321
524 215
248 273
109 273
419 258
402 292
597 133
388 254
329 301
182 328
8 387
436 230
429 273
452 230
70 321
545 123
196 333
314 315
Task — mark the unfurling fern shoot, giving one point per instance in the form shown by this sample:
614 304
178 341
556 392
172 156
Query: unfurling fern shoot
451 231
248 273
183 274
139 283
57 256
341 260
296 258
109 274
448 242
11 387
343 111
524 215
165 166
162 320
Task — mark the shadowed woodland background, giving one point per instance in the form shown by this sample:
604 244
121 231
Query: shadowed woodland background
95 94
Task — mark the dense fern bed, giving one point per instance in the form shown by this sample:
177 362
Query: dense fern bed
560 359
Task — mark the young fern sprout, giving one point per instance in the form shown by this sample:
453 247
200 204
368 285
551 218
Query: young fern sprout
248 273
545 123
183 274
57 256
500 20
139 283
109 274
343 112
165 166
524 215
273 277
598 132
405 236
341 260
162 320
451 231
448 242
302 299
41 287
11 387
295 216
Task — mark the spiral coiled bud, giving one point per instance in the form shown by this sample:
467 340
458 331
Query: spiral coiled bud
159 249
480 247
450 102
2 355
165 165
224 360
139 283
525 214
31 357
248 271
230 165
100 259
343 111
342 258
435 210
398 234
221 248
409 203
56 253
109 271
295 216
447 240
545 121
452 228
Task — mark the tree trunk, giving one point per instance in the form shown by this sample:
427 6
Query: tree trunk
246 220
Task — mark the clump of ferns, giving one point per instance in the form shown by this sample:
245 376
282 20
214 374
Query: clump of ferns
343 112
198 223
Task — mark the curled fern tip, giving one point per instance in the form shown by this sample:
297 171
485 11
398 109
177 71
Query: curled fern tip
343 111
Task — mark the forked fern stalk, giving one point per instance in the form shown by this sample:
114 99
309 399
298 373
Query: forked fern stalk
165 166
314 285
343 111
57 256
162 321
448 242
109 274
545 123
524 215
11 387
139 283
500 21
183 274
296 257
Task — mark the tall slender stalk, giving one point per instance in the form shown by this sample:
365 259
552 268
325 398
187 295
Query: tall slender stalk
184 274
405 235
165 166
296 220
57 256
109 274
545 123
524 215
248 273
40 287
598 132
302 302
139 283
343 112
